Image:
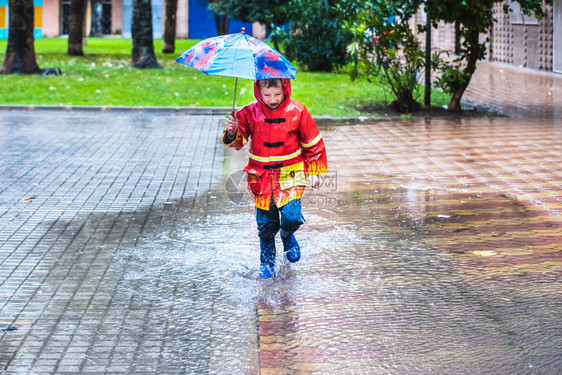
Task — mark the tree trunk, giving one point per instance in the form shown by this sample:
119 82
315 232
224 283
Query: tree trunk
474 54
269 31
170 27
221 23
76 20
96 29
225 24
143 45
20 52
405 102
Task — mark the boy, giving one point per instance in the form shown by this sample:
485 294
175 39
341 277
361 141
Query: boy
286 146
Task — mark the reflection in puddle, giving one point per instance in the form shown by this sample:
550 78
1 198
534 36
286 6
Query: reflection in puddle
394 285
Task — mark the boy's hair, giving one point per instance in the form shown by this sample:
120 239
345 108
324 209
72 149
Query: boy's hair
269 82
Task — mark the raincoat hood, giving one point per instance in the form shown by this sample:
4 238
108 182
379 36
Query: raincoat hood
286 82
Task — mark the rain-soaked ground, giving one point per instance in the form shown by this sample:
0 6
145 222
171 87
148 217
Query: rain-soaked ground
128 245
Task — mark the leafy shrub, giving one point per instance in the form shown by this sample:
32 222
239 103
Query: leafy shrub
315 38
384 47
452 77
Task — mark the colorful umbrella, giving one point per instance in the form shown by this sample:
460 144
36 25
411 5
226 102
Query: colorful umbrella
237 55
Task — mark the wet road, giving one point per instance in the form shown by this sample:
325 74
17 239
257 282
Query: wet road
127 245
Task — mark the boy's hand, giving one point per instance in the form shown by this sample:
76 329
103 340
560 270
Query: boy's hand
231 125
313 180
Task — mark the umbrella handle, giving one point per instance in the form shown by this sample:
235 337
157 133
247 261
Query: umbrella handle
234 103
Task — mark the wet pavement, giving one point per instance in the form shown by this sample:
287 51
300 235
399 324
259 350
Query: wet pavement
518 92
128 245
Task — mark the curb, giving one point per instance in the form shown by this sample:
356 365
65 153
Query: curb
193 111
202 111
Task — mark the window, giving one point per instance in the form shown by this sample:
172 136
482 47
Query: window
105 16
517 17
65 11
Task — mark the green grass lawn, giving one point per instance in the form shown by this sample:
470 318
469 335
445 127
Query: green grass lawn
104 77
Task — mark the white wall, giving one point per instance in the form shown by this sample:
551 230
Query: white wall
557 37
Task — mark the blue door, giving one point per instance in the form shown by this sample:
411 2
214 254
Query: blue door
201 23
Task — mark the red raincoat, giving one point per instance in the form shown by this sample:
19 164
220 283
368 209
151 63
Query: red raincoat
285 147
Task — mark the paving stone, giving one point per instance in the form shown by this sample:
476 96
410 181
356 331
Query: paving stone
433 246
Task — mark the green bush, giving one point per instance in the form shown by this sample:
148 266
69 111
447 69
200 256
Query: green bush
315 39
384 48
452 76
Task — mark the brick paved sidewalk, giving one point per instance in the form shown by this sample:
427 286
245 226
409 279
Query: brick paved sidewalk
441 254
92 275
433 247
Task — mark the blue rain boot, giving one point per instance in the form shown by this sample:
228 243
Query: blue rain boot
267 258
266 271
291 246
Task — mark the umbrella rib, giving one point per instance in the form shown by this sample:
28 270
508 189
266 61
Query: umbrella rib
236 49
234 58
218 54
224 51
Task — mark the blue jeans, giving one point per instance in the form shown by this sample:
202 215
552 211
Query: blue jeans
269 222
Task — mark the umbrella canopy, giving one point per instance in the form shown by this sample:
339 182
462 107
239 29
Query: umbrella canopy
237 55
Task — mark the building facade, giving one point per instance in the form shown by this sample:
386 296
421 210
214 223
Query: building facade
515 39
194 19
38 14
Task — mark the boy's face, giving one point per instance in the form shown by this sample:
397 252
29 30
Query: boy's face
272 96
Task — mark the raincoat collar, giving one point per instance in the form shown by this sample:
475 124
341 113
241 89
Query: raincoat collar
286 90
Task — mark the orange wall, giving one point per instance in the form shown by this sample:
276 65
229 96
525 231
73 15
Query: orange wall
3 17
